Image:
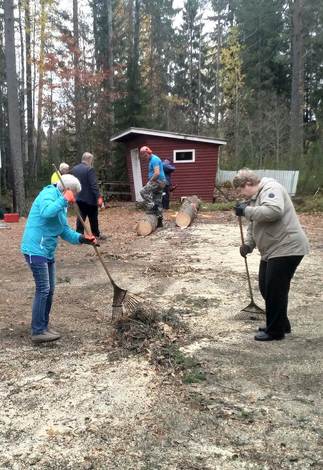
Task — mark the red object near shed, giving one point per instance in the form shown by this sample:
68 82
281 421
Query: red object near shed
11 217
195 158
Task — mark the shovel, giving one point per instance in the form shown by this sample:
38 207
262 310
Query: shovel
252 307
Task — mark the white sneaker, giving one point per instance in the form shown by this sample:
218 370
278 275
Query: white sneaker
53 332
45 337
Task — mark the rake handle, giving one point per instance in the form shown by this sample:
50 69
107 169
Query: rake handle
245 260
87 231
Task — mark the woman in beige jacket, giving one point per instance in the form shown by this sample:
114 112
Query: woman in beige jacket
275 230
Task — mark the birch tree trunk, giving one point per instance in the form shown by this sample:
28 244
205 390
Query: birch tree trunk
13 110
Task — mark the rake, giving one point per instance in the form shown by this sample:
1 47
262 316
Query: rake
252 307
122 300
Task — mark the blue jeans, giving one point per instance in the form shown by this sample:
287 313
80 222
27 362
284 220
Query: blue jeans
44 273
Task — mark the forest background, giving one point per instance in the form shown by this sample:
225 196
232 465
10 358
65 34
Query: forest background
74 73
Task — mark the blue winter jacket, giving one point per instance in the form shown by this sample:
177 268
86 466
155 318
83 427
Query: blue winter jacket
46 222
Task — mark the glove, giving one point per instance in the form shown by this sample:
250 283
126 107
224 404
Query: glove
100 201
239 208
244 250
89 240
69 196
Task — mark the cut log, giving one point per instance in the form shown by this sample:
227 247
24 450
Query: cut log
147 225
188 211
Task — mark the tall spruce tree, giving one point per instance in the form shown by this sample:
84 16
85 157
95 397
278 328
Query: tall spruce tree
190 69
156 47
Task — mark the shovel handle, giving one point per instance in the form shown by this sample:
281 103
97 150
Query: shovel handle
86 229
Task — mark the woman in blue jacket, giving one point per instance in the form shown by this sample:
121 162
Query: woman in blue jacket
46 222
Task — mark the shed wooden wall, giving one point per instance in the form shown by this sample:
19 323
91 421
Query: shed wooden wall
190 178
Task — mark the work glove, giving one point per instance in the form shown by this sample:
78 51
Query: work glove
89 240
69 196
100 201
244 250
239 208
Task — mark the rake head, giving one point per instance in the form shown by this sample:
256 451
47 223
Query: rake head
253 308
251 312
123 303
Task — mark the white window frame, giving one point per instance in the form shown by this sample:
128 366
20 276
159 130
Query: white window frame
183 161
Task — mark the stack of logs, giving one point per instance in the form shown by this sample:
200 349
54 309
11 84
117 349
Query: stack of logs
185 216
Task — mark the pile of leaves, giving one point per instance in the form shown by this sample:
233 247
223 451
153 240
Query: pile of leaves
145 325
158 335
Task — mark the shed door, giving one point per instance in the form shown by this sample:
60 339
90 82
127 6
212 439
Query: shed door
136 172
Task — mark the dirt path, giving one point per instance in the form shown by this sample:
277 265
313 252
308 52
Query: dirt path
82 403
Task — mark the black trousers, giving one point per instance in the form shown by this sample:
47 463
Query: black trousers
90 211
274 283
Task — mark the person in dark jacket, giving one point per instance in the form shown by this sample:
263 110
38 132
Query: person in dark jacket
47 220
168 170
88 198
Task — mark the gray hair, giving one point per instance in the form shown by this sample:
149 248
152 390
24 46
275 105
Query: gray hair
87 157
64 168
70 182
245 176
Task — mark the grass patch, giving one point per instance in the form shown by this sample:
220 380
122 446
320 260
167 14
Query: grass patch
310 204
186 366
193 377
217 206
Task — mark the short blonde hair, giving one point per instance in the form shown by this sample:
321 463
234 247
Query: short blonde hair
87 157
245 176
64 168
70 182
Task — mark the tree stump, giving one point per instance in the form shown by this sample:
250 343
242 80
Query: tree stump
147 225
188 211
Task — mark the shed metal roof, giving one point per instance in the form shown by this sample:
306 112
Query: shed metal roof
127 134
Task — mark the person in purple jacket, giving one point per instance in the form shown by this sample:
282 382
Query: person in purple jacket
168 170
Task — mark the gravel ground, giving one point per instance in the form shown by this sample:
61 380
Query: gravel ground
87 403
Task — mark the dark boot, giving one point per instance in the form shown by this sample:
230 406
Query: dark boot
286 331
263 336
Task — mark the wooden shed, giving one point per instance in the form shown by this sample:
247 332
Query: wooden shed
195 158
